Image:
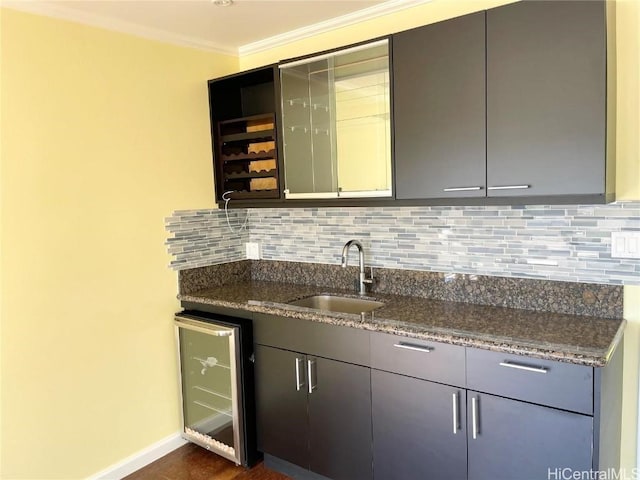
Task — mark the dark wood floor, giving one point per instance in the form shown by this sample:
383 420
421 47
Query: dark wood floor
191 462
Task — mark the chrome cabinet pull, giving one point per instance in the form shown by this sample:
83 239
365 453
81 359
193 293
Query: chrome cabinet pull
411 346
509 187
474 417
456 422
310 365
299 384
524 367
460 189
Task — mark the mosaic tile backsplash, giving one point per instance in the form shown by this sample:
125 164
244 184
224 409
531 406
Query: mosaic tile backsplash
203 237
565 243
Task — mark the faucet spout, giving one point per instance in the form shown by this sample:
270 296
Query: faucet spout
345 253
362 278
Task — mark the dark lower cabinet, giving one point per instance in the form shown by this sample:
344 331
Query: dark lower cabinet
281 408
419 429
396 414
314 412
509 439
340 420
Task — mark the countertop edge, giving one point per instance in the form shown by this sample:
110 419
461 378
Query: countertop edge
590 358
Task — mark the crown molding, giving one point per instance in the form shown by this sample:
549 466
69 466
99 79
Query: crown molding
42 7
369 13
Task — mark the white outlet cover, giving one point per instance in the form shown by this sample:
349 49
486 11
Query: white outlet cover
253 250
625 244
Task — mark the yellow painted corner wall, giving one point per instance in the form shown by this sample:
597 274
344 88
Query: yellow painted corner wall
629 448
628 104
628 188
103 135
1 230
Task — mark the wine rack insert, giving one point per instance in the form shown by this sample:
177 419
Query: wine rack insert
248 157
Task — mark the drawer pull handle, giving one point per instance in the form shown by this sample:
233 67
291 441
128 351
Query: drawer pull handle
410 346
456 422
509 187
299 383
474 417
524 367
460 189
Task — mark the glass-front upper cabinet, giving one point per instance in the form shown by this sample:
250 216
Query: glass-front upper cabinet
336 124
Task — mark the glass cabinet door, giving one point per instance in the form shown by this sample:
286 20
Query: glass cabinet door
309 140
336 124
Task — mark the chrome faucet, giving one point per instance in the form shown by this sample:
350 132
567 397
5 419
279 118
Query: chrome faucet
362 278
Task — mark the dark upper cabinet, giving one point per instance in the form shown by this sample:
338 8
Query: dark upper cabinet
439 109
522 114
244 110
546 98
507 105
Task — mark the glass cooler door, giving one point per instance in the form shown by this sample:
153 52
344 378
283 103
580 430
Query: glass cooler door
209 369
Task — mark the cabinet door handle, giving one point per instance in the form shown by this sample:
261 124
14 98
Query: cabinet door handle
524 367
411 346
509 187
310 367
460 189
456 421
474 417
299 383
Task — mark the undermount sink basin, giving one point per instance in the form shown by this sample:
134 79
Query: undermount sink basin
334 303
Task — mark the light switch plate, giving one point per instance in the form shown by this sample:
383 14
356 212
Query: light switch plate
253 250
625 244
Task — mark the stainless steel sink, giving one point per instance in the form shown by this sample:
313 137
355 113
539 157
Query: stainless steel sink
334 303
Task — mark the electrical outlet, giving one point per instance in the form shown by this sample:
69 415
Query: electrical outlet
253 250
625 244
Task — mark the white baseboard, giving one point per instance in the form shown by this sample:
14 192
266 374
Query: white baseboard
140 459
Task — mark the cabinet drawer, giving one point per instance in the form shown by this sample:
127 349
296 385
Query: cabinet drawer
428 360
546 382
314 338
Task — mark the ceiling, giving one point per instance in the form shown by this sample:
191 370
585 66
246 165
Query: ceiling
247 26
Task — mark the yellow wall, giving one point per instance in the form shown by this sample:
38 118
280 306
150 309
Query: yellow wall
628 188
630 381
1 267
103 135
628 105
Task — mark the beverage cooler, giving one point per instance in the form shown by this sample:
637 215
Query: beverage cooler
216 378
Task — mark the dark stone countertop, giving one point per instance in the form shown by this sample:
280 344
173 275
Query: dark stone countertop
578 339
